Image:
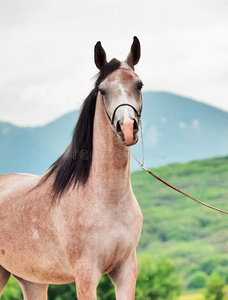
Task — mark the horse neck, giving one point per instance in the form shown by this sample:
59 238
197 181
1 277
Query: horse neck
111 160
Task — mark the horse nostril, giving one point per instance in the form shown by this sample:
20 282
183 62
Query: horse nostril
135 127
118 128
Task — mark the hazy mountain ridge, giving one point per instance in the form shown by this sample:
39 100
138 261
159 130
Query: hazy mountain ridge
179 129
175 128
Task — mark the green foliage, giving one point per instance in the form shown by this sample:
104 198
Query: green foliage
62 292
197 280
157 280
214 287
105 290
177 227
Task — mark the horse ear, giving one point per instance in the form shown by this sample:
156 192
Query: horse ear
135 52
99 56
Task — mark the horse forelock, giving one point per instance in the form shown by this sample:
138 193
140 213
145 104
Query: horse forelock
73 166
109 68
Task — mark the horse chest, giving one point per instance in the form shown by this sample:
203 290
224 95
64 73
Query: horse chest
99 230
120 236
115 223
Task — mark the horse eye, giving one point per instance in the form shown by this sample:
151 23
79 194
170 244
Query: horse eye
102 91
139 86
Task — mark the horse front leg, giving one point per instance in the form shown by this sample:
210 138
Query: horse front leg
31 290
124 278
4 277
86 279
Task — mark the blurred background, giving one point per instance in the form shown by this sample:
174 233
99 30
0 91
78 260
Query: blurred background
47 70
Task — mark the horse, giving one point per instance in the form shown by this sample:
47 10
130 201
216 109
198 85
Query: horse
80 219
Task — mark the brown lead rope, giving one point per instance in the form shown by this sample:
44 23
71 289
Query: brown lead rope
166 183
175 189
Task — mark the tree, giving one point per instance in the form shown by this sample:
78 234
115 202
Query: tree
214 287
105 290
157 280
62 292
197 280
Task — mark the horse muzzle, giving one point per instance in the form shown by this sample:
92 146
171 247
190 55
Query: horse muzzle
125 123
127 131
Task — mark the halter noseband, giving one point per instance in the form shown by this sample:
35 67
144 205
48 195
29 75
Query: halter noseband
111 119
124 104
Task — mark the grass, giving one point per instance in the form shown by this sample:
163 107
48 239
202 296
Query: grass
192 297
199 295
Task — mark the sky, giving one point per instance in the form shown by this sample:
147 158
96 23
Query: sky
47 46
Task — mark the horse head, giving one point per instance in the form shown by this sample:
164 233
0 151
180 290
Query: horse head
121 94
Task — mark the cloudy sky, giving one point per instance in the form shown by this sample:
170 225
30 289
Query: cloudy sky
46 56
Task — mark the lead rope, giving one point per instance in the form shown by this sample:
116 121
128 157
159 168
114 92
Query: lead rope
142 165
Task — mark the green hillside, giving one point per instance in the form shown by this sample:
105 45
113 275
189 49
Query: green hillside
195 237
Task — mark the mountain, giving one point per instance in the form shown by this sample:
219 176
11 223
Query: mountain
33 150
179 129
175 129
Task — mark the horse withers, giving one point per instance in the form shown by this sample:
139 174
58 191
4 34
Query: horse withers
80 219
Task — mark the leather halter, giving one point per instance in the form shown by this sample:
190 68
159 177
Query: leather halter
124 104
111 119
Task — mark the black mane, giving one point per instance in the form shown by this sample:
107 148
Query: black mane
73 166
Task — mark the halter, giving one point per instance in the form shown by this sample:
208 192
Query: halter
111 119
124 104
